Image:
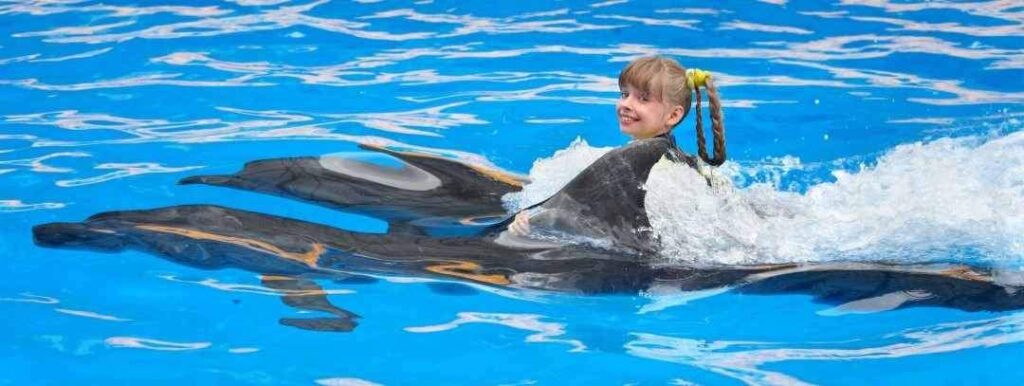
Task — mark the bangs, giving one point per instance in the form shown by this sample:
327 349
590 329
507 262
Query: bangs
648 75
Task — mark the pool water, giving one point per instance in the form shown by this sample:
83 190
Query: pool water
882 130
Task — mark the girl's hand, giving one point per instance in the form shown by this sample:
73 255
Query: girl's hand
521 225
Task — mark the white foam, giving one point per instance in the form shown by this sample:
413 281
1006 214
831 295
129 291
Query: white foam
549 175
949 199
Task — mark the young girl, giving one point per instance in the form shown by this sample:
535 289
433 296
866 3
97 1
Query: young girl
655 96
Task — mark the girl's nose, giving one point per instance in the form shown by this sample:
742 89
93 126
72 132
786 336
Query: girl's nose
624 103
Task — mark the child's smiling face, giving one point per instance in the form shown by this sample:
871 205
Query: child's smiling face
643 114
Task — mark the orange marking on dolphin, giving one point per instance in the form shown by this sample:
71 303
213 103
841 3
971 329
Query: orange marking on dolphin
966 273
497 175
308 258
465 270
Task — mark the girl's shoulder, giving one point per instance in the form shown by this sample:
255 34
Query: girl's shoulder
662 145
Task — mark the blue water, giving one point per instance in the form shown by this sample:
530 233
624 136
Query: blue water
105 105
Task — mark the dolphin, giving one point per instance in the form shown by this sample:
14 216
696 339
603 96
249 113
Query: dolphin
424 189
605 201
214 237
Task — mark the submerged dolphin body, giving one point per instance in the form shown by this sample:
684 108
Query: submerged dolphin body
212 237
605 201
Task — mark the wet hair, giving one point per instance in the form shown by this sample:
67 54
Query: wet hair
665 79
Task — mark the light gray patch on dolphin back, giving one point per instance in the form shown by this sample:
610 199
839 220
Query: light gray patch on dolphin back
406 177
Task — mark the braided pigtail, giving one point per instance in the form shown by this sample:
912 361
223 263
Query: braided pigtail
695 79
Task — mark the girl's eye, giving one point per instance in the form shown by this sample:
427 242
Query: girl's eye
645 97
623 94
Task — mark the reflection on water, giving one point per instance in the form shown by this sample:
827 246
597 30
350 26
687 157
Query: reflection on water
154 344
92 315
543 332
741 360
19 206
30 298
345 382
123 171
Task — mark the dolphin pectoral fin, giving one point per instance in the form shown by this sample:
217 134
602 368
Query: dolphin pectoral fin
305 294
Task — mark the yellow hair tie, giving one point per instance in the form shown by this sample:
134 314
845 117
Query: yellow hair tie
696 77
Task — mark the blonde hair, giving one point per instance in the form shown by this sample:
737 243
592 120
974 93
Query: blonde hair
665 78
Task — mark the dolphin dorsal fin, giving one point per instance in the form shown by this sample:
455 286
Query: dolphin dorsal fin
606 200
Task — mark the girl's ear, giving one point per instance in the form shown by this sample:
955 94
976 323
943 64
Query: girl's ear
675 116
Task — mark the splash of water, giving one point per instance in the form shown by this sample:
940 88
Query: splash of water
549 175
947 200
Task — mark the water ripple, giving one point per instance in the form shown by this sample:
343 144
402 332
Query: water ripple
255 289
50 7
345 382
268 124
678 23
129 81
30 298
747 26
1008 10
91 315
950 27
694 11
545 332
123 170
154 344
10 206
36 164
209 26
351 73
608 3
469 25
889 79
741 360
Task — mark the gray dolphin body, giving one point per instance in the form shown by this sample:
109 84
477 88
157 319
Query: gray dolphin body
427 188
212 237
606 200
